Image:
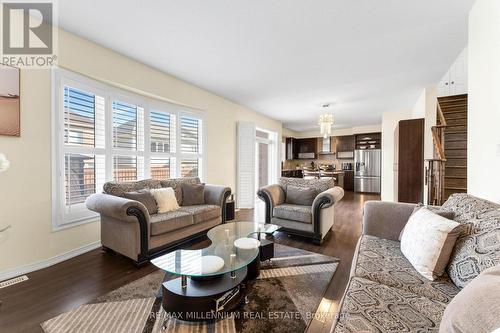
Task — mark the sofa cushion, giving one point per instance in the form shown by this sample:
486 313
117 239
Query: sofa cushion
382 261
193 194
175 183
120 188
297 195
427 242
202 213
447 214
293 212
478 248
319 185
170 221
476 308
145 197
369 306
165 199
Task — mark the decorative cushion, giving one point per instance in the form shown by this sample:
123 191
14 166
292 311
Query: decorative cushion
175 183
300 195
193 194
381 260
202 213
320 185
476 308
169 221
372 307
478 248
427 242
165 199
146 198
120 188
447 214
293 212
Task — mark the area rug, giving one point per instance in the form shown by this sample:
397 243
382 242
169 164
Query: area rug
283 299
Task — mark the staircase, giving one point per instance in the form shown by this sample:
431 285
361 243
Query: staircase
454 110
447 172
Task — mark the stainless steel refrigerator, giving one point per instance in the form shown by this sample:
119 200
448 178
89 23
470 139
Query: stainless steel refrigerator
367 170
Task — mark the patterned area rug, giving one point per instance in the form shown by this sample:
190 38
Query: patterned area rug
283 299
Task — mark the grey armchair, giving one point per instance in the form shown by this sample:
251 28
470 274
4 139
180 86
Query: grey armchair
312 221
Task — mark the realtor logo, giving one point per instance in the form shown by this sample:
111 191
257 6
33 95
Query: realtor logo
28 34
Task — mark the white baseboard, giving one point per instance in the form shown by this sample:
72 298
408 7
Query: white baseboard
21 270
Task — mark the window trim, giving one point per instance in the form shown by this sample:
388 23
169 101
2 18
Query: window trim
61 77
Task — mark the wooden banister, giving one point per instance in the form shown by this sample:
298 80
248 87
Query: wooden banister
442 119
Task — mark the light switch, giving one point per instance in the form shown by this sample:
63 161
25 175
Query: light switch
498 149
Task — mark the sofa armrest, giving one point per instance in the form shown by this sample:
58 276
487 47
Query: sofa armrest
386 219
122 209
216 194
327 198
274 192
272 195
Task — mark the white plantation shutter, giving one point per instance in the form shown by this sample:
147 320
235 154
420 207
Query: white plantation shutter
102 133
83 130
190 146
245 187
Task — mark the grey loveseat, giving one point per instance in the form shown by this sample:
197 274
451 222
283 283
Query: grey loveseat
314 221
128 228
386 294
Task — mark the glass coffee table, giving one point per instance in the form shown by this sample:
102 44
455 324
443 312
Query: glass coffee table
211 280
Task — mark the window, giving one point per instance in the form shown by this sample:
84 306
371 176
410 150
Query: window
102 133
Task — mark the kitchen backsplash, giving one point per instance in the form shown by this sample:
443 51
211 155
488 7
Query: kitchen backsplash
322 159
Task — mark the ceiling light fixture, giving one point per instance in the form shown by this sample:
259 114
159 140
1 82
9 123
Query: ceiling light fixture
325 123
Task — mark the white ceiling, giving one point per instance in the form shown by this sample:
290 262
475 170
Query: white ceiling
284 58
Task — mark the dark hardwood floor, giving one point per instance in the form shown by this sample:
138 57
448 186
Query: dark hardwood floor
64 286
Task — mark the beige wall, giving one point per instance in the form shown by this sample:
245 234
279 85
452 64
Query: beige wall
336 132
25 189
483 140
390 120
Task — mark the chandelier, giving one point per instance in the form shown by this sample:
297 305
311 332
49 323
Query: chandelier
325 123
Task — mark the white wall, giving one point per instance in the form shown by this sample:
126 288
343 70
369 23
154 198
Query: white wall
484 101
25 189
390 120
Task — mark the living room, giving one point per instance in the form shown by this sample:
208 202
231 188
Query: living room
193 166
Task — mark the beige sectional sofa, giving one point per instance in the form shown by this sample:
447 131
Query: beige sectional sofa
386 294
128 228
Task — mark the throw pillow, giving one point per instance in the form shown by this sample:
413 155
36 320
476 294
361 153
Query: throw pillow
165 199
447 214
145 197
300 195
427 242
476 307
193 194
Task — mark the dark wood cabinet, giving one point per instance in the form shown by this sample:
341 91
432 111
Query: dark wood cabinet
345 143
309 145
410 156
349 180
368 141
291 152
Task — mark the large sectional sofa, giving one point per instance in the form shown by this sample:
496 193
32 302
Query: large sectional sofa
386 294
128 228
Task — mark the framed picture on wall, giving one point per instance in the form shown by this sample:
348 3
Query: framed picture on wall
10 109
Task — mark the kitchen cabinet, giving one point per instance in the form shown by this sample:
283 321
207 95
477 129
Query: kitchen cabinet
345 146
290 149
410 156
349 180
368 141
308 146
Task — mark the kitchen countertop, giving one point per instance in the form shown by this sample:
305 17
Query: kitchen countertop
335 171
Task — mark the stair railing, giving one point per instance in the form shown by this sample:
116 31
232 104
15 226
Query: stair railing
434 177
